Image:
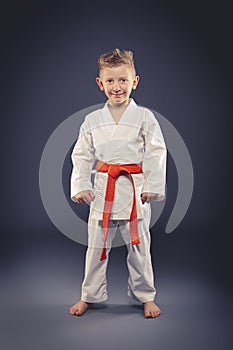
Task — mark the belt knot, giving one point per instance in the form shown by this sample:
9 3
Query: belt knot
114 170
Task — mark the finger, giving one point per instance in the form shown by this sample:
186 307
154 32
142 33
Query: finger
92 196
80 200
87 198
143 198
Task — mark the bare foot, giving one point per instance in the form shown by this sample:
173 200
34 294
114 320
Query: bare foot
151 310
79 308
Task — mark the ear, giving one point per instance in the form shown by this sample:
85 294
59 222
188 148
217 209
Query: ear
135 81
99 83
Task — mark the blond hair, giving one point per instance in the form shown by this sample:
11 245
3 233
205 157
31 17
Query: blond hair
116 58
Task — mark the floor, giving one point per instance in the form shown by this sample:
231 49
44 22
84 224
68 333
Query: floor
37 294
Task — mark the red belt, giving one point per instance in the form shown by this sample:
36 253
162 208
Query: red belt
115 170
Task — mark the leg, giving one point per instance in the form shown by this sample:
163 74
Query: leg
141 276
94 286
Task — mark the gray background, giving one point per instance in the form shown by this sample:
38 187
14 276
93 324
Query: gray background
183 54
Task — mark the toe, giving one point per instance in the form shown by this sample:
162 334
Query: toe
148 314
72 311
157 313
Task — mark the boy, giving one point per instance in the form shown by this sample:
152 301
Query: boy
127 143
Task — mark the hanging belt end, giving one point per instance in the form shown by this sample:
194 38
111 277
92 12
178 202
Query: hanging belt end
103 255
136 241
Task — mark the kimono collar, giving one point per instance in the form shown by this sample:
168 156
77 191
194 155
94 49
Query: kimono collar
131 103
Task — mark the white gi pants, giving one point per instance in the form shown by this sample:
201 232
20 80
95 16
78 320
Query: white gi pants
141 277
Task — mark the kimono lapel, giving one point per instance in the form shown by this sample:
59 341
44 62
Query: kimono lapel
110 123
108 116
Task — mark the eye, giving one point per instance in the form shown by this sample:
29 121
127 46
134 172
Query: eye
109 81
124 80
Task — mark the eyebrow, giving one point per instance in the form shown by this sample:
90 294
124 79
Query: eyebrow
119 78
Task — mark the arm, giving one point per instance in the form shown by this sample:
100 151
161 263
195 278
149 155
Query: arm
83 157
154 161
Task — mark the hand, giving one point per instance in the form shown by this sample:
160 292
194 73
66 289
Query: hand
147 197
84 197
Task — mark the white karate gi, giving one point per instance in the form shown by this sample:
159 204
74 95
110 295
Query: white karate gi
135 139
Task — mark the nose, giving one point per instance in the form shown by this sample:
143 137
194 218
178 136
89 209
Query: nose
116 86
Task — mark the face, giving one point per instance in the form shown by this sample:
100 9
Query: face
117 83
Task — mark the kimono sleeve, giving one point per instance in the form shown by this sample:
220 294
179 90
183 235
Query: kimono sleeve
154 159
83 157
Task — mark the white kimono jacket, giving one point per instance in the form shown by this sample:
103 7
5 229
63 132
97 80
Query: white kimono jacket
136 139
